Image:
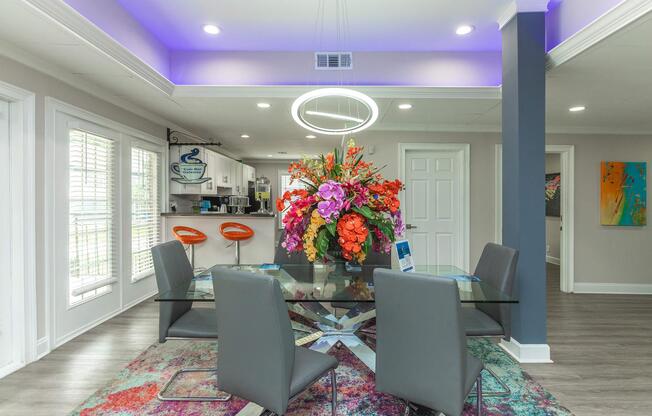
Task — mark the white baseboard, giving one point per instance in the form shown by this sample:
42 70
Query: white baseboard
553 260
527 353
42 348
614 288
10 368
101 320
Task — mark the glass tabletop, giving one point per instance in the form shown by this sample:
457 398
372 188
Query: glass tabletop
334 282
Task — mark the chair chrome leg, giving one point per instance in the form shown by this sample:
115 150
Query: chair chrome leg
162 397
478 386
506 391
408 409
334 393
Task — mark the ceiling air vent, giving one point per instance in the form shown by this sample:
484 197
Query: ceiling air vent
333 60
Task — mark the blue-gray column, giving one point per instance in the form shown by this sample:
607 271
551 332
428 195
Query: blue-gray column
523 126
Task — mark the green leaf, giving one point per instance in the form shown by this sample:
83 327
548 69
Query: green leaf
366 246
366 212
332 228
322 243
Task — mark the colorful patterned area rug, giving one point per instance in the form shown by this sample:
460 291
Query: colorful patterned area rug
134 390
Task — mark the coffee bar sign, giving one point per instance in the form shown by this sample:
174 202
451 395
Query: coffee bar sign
190 169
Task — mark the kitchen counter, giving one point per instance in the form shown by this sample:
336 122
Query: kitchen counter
215 214
216 249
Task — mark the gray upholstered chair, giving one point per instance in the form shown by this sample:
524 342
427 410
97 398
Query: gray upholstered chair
258 359
421 354
496 267
179 319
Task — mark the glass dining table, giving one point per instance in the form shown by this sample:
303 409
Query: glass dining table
315 293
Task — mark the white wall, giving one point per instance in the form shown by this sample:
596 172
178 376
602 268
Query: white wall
42 85
553 224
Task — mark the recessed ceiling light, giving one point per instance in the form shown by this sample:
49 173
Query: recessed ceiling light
405 106
211 29
244 136
263 105
270 155
464 30
577 109
311 136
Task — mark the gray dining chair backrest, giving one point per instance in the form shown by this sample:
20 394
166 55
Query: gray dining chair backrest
173 271
421 345
497 267
256 343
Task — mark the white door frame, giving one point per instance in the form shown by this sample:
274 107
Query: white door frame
22 217
567 246
465 181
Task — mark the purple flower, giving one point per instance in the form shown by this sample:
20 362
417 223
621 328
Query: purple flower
399 226
331 190
329 209
332 195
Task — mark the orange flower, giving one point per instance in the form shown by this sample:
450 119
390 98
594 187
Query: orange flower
280 204
352 231
330 161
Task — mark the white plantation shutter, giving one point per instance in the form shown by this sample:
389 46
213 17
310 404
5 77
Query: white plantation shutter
92 246
145 210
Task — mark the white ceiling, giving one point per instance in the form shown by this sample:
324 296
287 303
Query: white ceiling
612 79
299 25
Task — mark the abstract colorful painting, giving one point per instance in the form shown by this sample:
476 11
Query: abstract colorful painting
623 193
553 194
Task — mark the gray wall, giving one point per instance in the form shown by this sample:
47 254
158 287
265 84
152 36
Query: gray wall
607 254
553 234
42 85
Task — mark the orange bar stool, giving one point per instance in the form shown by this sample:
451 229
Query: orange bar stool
236 232
189 236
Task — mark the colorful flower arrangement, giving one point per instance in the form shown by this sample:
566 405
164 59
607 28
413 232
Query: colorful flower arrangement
346 206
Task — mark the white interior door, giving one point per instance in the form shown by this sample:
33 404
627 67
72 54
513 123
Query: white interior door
7 343
435 204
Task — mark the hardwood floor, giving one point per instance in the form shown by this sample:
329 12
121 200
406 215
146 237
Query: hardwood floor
602 349
601 345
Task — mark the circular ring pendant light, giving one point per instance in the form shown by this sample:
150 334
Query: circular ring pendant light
313 112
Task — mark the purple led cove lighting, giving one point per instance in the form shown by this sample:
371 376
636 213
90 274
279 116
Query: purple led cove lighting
109 16
437 69
263 25
567 17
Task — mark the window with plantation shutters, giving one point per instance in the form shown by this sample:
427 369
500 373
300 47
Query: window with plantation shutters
145 210
92 247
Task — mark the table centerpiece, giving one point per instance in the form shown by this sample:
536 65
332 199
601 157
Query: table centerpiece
345 209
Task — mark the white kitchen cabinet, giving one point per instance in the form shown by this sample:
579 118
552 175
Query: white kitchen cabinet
210 187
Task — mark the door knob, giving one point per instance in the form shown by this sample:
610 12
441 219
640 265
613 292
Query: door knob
410 226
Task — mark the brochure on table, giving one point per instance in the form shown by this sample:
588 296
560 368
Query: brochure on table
405 261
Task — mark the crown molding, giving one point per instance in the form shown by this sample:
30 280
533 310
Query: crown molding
604 26
292 91
67 17
521 6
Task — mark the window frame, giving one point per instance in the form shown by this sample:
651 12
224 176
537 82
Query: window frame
162 179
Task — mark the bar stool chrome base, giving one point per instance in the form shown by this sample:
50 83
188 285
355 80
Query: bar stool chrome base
164 398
